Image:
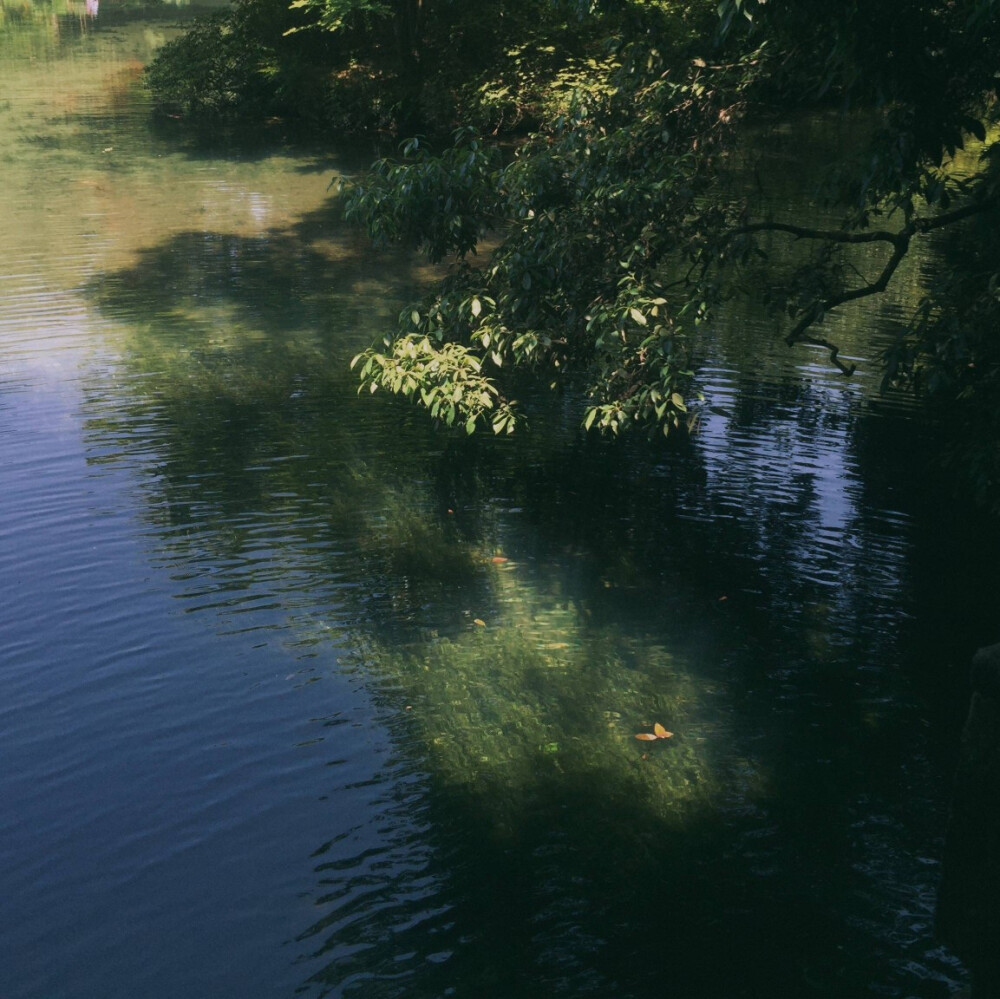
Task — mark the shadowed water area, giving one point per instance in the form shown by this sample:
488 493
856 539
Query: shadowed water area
299 697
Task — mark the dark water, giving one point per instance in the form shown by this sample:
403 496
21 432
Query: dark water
300 698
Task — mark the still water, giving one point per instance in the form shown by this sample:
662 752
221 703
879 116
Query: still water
298 697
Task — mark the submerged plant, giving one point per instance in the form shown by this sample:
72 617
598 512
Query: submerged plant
513 716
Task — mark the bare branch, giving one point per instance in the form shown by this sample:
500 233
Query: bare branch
827 235
900 242
902 245
818 341
914 226
948 218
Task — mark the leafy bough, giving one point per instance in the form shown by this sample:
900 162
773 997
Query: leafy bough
597 276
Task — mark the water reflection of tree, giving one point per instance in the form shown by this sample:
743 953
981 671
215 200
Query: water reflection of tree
732 585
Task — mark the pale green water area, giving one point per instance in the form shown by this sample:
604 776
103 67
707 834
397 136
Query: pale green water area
298 697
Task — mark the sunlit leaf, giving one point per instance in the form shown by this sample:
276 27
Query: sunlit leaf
646 736
660 732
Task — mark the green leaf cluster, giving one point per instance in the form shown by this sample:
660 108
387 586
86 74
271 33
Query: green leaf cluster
336 15
445 378
598 228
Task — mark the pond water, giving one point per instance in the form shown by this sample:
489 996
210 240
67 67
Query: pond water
298 697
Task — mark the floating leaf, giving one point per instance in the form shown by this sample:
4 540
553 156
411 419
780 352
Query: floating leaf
659 732
498 560
479 623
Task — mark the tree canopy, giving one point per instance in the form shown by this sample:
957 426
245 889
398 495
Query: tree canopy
396 66
582 203
612 239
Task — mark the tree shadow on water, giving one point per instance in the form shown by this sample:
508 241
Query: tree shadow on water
275 284
590 890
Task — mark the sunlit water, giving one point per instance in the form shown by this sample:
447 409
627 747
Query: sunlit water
299 697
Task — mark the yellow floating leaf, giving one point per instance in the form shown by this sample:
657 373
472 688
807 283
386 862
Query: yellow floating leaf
646 736
661 732
479 623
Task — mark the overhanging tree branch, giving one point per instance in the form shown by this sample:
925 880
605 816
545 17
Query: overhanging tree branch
900 242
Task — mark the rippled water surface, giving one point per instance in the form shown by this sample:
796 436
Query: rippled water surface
299 698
